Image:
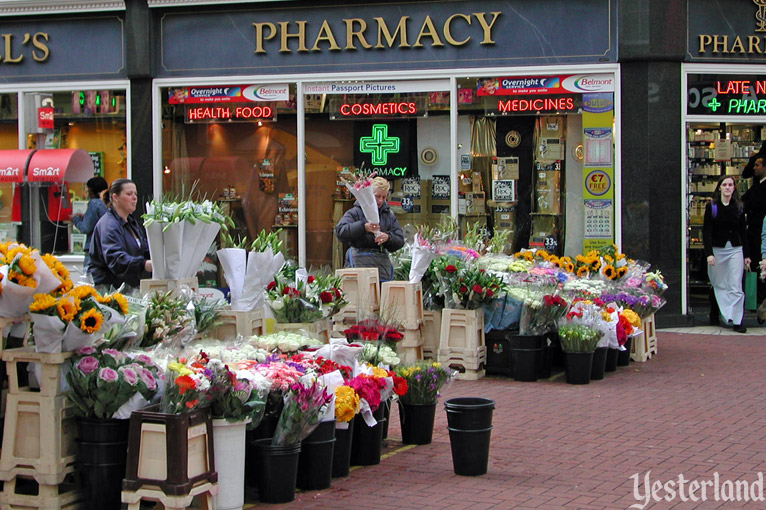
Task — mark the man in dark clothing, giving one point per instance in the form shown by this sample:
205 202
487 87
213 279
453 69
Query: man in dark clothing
371 242
754 201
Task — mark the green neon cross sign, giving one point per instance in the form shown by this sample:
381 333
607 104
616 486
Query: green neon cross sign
379 145
713 104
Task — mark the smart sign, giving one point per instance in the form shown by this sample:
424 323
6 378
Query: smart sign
384 147
726 95
230 113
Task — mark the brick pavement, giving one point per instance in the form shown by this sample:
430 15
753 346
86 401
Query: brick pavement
695 409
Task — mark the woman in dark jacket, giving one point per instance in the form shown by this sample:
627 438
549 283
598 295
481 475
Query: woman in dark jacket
85 223
371 242
119 251
725 240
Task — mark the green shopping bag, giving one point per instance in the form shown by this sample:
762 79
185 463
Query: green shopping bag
749 286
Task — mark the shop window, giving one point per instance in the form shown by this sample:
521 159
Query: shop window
9 140
236 150
527 166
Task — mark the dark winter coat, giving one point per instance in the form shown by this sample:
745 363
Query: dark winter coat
115 255
350 229
727 225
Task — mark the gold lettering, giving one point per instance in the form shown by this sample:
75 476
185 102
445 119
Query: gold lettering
753 44
704 40
8 58
717 43
358 34
401 30
325 34
486 27
39 45
428 30
737 46
259 35
448 30
284 35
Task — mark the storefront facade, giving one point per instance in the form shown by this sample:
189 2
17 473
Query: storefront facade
462 108
724 119
60 101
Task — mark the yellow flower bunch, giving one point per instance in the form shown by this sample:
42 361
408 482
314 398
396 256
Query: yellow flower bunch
379 372
526 255
42 302
91 321
542 254
180 368
79 305
632 317
609 271
346 403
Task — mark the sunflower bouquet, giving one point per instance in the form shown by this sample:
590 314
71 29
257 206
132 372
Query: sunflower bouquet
77 318
23 273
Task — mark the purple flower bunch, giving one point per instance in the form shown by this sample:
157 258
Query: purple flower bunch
303 406
103 380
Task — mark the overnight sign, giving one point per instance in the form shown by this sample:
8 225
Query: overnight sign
726 95
229 113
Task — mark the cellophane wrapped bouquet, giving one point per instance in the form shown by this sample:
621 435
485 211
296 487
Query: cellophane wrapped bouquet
248 268
180 232
295 296
25 272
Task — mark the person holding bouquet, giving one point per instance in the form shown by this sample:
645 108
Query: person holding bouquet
119 251
371 241
725 240
86 223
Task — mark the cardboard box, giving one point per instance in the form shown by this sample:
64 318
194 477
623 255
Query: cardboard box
505 168
471 203
504 218
545 228
411 186
547 199
504 190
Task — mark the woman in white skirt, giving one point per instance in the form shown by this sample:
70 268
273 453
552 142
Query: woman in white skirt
724 236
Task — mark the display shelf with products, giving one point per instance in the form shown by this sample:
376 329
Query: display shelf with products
713 150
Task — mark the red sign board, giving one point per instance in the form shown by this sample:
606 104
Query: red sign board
230 113
45 117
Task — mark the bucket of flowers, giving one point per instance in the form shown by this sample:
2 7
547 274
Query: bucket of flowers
417 406
578 341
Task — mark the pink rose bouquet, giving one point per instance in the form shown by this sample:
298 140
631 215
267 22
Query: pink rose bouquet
103 381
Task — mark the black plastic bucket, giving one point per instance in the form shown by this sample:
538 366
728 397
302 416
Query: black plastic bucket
101 461
417 421
599 363
276 470
611 360
578 367
469 413
469 421
368 441
315 460
499 354
470 451
623 357
341 456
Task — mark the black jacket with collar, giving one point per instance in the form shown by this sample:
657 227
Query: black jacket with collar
116 257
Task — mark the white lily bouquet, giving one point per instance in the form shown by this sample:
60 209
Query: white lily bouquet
423 252
179 235
248 270
361 188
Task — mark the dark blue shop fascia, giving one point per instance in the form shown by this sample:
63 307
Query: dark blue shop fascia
386 36
726 31
49 48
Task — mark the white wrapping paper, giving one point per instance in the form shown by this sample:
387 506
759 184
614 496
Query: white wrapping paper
366 200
